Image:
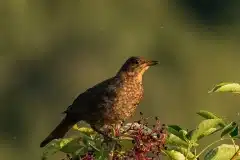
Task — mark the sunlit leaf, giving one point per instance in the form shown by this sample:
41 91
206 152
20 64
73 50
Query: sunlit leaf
206 133
182 150
175 155
209 132
55 146
205 128
222 152
229 128
177 131
66 145
184 134
207 114
226 87
174 140
85 130
175 127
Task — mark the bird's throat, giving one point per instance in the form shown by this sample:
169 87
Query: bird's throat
131 77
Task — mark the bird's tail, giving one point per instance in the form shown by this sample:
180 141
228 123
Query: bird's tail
59 132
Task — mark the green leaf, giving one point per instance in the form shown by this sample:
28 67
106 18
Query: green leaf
182 150
205 128
237 137
177 131
174 155
234 133
67 145
84 130
175 140
209 132
222 152
228 129
175 127
226 87
101 155
207 114
206 133
55 146
72 146
184 135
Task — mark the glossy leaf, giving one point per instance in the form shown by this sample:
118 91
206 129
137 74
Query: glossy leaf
72 146
177 131
182 150
222 152
237 137
55 146
209 132
229 128
226 87
207 114
84 130
175 140
175 127
175 155
204 127
234 133
184 134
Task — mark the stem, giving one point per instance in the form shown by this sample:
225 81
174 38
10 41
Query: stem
165 153
111 154
188 150
195 152
234 144
94 147
236 154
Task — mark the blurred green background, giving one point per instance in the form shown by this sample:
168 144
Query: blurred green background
50 51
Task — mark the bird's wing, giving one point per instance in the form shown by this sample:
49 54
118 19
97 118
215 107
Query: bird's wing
94 97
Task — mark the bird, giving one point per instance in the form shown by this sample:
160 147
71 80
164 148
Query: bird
110 102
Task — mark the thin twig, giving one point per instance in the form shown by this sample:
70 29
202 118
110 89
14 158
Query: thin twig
236 154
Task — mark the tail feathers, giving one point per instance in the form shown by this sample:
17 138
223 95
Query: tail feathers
59 131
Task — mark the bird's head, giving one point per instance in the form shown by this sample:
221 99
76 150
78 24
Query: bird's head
136 66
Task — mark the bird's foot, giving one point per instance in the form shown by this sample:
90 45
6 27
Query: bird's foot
107 139
110 141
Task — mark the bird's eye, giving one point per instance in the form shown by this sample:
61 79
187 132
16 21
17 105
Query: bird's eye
136 62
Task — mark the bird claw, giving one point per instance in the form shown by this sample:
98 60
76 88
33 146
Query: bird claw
111 141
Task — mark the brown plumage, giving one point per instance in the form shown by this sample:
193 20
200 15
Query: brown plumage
109 102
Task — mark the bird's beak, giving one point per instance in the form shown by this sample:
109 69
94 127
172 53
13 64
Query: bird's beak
152 63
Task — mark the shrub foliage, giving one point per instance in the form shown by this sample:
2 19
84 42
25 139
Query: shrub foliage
144 141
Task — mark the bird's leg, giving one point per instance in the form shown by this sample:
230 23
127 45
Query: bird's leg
104 134
106 137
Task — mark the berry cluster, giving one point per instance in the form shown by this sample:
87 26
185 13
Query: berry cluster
147 141
88 156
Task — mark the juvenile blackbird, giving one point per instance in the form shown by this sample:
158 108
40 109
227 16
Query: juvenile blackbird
109 102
